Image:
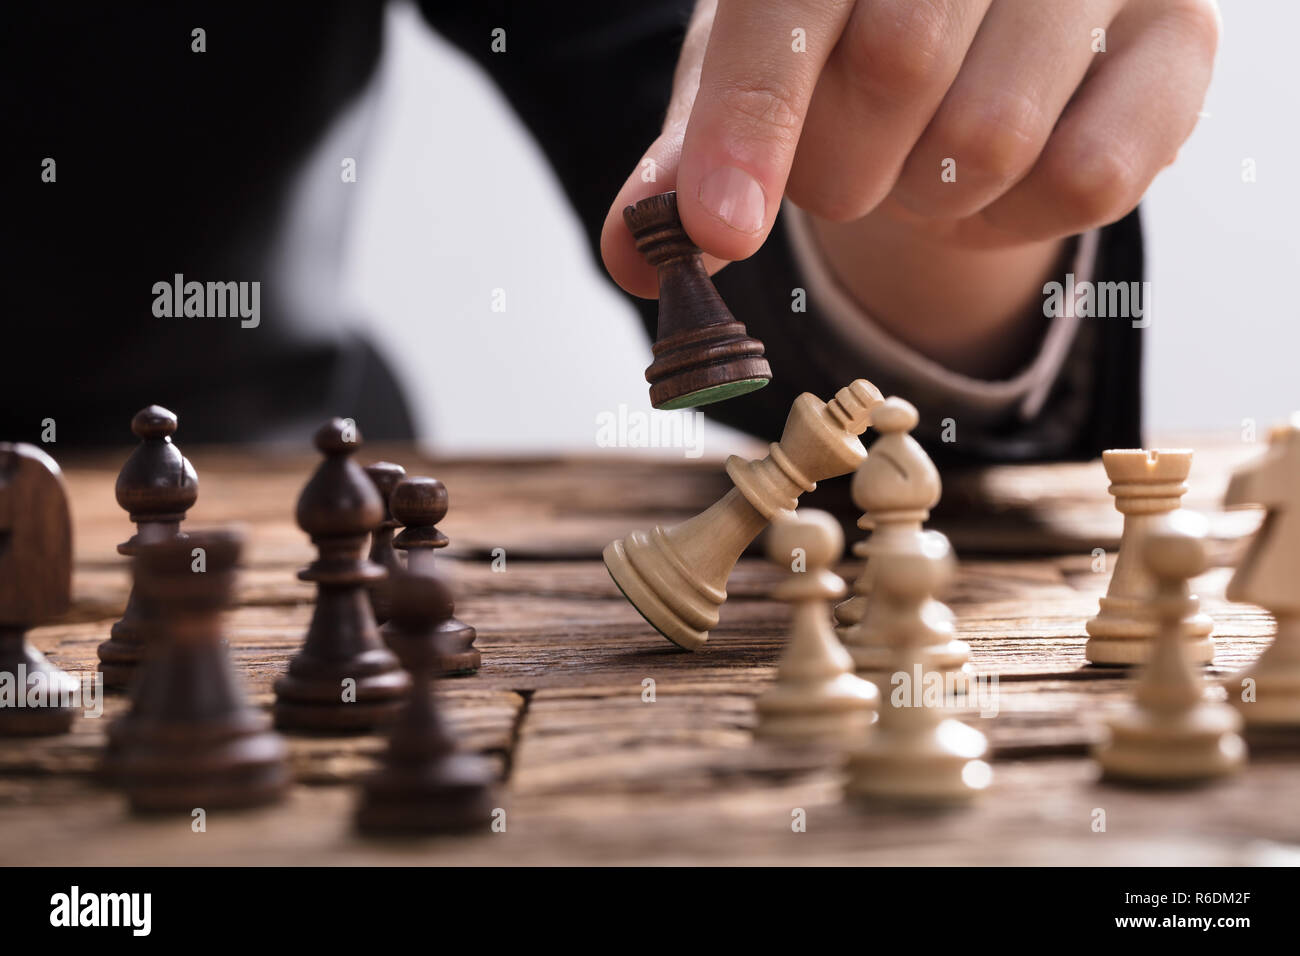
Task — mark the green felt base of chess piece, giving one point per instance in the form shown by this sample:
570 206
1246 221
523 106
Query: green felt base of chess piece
715 393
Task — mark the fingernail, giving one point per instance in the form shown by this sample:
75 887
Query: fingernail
735 197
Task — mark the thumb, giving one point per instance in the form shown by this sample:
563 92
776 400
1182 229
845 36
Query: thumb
656 171
739 59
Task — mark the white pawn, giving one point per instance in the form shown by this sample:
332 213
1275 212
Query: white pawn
1174 734
903 495
1267 693
895 487
816 698
916 753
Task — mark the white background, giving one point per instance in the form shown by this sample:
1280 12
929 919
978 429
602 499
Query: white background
454 200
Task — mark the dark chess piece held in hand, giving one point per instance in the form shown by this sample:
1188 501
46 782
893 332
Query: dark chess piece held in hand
35 587
157 486
419 503
191 739
702 354
343 680
424 785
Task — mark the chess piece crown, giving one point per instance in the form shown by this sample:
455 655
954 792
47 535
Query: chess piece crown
1147 485
157 484
676 577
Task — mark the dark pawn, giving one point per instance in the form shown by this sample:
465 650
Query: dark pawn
423 784
385 476
157 485
339 507
190 739
35 586
701 353
419 504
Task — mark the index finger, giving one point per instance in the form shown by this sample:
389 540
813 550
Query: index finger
760 69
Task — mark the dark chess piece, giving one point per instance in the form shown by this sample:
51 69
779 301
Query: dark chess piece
35 586
385 476
419 504
157 485
343 680
424 785
702 354
190 739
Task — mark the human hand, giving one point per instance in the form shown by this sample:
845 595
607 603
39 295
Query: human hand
1044 134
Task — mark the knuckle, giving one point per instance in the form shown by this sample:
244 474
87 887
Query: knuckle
997 143
766 111
1199 19
836 184
833 207
1093 184
901 45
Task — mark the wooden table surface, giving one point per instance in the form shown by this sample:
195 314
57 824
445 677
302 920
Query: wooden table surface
594 774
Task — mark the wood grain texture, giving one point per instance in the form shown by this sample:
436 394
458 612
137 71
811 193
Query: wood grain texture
592 772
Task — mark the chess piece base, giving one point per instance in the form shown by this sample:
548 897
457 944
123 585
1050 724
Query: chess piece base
815 727
647 602
1130 651
310 697
119 677
938 767
358 717
459 664
1277 692
1123 629
35 721
235 793
1200 744
451 794
876 662
705 364
1275 705
49 719
842 709
707 395
456 654
175 768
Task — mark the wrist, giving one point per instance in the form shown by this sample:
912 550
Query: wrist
973 310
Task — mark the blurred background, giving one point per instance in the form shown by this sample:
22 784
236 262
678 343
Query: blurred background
424 257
